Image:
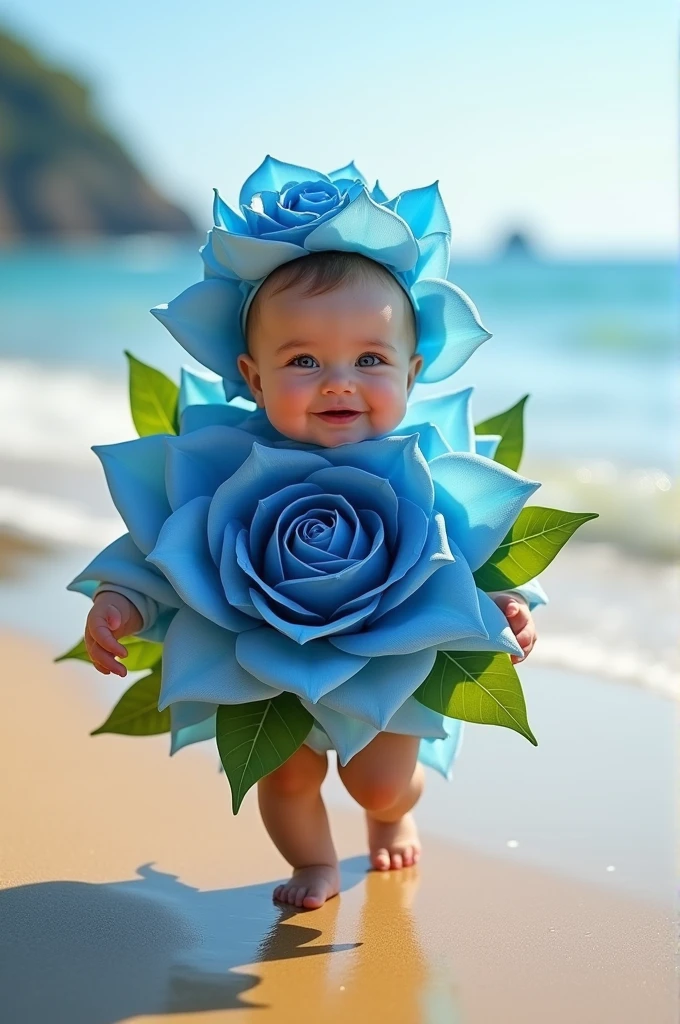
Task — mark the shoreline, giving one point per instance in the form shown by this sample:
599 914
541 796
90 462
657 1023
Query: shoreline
128 891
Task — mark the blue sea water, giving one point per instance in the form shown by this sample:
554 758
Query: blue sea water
594 343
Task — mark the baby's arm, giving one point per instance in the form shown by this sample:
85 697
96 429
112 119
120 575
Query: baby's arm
112 615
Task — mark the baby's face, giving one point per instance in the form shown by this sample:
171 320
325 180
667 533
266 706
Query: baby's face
333 368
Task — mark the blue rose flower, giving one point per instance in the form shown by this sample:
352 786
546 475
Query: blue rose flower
333 574
287 212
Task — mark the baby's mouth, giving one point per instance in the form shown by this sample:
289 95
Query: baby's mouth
339 415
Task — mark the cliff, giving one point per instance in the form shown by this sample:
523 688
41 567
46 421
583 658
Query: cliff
62 173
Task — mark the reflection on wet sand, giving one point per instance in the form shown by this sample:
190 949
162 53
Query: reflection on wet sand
384 974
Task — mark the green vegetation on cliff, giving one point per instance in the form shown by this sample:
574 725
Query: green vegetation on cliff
61 172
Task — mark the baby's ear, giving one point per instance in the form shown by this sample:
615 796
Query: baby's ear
414 367
250 373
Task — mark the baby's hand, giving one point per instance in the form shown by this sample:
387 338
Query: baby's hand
521 621
111 616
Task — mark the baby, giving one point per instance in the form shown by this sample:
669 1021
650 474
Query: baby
331 358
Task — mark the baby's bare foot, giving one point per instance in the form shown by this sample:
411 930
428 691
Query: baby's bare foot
309 887
393 844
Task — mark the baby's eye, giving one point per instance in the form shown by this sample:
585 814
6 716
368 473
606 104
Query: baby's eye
371 356
306 362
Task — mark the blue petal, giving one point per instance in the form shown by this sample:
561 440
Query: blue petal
235 583
183 557
347 735
440 754
263 527
434 258
377 195
199 462
366 227
413 534
272 175
430 439
196 417
377 692
451 413
252 258
501 638
135 473
199 664
397 459
265 471
204 319
225 217
191 722
486 445
309 671
350 171
449 328
435 552
196 389
423 210
362 489
124 564
414 719
444 608
479 500
304 634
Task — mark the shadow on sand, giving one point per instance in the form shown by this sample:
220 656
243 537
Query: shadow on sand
87 953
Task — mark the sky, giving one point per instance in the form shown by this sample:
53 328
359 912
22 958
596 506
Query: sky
550 117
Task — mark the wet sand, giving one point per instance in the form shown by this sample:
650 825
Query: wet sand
128 892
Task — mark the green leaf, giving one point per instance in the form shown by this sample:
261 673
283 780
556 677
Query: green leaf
476 687
153 399
510 425
141 653
535 538
136 713
254 739
79 652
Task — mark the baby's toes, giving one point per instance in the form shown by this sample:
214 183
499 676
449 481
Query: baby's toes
381 860
407 855
397 860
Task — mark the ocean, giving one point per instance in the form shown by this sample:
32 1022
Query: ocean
594 344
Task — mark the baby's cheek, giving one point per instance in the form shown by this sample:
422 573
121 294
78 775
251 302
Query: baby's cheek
388 403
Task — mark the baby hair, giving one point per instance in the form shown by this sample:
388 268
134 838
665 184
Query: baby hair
322 272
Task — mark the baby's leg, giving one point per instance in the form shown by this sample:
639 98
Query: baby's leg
386 779
295 818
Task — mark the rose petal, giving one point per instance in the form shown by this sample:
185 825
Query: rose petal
452 413
375 693
252 258
396 459
191 722
182 555
347 735
366 227
480 501
198 462
266 470
272 175
135 473
204 319
361 489
302 634
199 664
449 328
123 564
444 608
501 638
309 671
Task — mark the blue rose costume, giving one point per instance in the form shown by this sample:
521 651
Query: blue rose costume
326 585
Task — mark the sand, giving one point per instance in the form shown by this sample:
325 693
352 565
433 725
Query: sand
128 892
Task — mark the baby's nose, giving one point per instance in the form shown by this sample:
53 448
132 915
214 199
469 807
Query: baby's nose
338 381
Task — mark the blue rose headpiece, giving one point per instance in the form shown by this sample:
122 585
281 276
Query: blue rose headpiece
288 212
